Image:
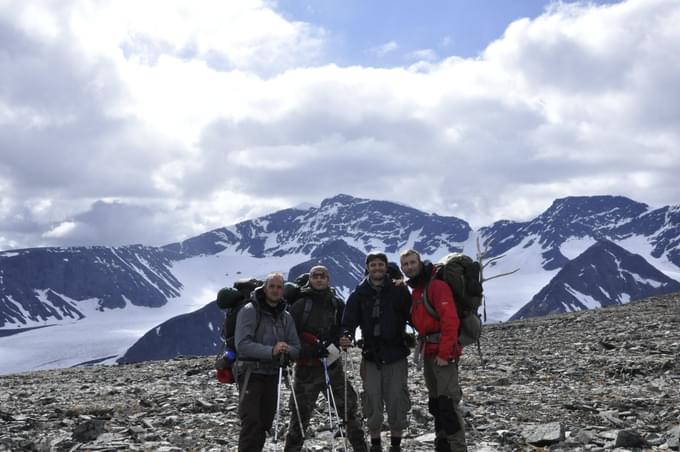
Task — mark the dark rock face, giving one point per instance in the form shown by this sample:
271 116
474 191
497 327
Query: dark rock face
194 334
345 264
590 380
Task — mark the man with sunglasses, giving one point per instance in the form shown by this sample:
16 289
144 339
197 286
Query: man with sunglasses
317 314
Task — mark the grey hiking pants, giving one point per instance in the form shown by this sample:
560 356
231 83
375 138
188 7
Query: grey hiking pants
385 386
444 396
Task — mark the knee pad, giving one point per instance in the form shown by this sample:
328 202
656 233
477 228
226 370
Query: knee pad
448 415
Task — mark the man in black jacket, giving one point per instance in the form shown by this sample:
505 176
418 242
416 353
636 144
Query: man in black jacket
381 309
317 314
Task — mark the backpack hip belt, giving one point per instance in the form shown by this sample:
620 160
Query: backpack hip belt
254 364
432 338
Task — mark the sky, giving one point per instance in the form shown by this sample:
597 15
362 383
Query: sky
153 121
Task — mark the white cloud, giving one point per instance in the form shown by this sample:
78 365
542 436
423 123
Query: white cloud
423 55
383 49
61 230
192 116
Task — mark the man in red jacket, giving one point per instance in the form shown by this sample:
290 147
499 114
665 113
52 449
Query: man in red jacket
438 343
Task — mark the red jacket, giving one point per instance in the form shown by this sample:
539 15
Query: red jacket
441 298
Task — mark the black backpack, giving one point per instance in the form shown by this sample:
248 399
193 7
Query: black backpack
232 299
462 274
292 289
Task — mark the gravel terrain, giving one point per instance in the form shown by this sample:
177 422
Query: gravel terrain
598 380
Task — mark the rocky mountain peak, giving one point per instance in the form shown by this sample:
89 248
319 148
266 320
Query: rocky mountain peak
592 211
341 199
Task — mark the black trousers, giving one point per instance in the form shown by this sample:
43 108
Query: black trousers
256 411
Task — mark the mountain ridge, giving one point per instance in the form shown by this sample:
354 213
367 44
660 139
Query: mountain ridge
181 277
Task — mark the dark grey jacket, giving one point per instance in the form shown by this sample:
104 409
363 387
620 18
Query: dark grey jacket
258 328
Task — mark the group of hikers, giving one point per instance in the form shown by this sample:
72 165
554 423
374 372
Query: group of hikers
271 332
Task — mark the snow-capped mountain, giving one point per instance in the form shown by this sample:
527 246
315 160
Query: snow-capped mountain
99 301
603 275
594 216
43 285
361 223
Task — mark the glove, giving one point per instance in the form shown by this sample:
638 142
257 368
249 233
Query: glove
321 350
309 338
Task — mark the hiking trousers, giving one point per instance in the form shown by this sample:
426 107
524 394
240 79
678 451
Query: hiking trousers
444 396
256 411
309 382
385 385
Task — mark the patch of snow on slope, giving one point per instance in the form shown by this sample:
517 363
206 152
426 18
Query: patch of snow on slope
646 281
639 244
574 246
588 301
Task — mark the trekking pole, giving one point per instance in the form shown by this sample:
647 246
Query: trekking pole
332 406
295 402
278 403
351 362
344 373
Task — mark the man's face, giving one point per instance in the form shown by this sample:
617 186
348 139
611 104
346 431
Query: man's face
410 265
377 269
273 290
318 280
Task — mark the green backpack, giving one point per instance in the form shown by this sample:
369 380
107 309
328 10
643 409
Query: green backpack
232 299
461 273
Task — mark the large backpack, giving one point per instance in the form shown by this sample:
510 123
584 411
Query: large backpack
462 274
231 300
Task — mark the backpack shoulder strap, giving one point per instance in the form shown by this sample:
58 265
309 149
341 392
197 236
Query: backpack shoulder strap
306 311
428 306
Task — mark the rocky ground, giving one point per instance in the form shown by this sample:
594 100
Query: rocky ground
594 380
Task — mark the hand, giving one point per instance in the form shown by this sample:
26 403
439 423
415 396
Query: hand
345 342
280 347
441 362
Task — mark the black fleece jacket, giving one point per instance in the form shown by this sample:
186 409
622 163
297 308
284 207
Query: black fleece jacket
394 312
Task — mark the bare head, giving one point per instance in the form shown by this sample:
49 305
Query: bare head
376 266
273 287
410 261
